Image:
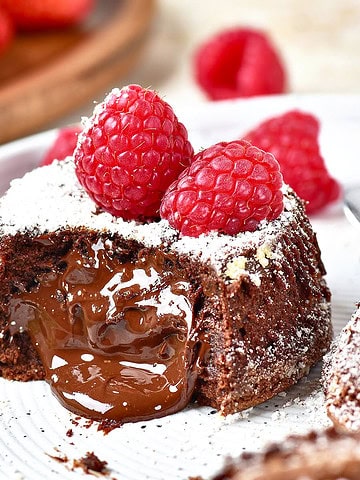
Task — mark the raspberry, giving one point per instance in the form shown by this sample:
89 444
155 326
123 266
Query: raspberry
230 187
293 139
239 62
64 144
44 14
6 30
130 152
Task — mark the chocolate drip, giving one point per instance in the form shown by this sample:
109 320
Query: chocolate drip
116 338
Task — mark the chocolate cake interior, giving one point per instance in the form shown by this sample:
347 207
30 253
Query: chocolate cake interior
108 319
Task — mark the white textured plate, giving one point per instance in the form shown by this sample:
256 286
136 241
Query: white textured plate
35 428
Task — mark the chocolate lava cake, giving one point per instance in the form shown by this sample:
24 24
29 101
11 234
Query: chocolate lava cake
324 455
341 375
130 321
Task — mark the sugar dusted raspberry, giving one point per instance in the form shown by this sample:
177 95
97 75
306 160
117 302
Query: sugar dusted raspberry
293 139
131 150
64 144
239 62
229 187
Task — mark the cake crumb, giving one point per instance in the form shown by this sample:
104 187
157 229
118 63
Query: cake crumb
59 458
90 463
108 425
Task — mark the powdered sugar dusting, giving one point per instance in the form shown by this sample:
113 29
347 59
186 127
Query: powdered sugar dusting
342 376
50 198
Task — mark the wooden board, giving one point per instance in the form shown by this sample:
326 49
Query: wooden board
46 75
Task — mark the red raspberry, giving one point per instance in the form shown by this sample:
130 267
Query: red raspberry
64 144
240 62
293 139
44 14
6 30
229 187
132 149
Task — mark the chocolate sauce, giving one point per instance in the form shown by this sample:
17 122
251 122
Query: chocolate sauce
116 339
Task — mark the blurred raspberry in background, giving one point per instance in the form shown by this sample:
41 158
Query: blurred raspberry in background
6 30
35 15
293 138
63 145
239 62
46 14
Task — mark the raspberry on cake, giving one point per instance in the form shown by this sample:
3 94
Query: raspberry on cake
293 139
229 187
105 308
130 151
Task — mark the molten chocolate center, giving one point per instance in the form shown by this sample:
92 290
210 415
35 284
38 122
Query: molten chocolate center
116 339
